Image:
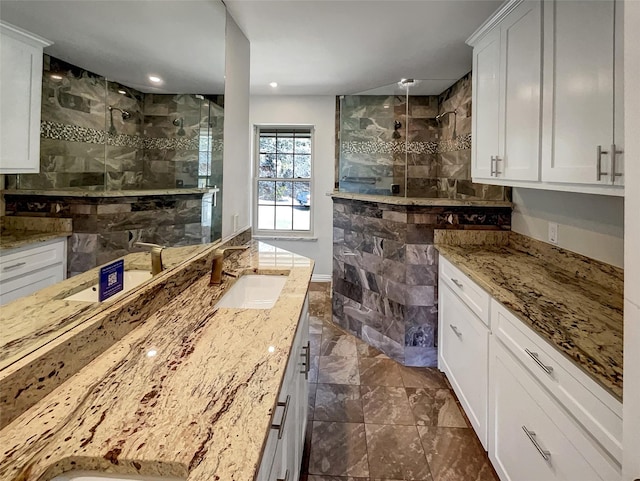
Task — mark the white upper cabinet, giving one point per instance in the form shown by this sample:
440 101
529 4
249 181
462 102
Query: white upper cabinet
506 95
579 92
559 97
20 97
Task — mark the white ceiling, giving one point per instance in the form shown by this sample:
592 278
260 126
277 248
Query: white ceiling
310 47
331 47
182 42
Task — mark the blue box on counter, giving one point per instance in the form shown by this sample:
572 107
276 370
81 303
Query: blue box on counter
111 280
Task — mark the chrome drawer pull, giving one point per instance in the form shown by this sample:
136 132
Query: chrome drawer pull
14 266
457 283
307 359
534 356
614 174
497 171
286 476
531 435
455 330
493 159
280 427
599 153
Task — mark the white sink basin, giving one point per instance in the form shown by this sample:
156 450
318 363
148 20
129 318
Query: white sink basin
98 476
253 292
132 279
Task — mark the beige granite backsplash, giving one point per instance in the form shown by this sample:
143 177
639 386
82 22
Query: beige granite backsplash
33 223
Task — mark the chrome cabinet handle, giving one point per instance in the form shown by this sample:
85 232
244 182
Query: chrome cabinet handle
286 476
614 153
599 153
14 266
455 330
536 358
457 282
307 359
280 427
493 159
546 455
497 171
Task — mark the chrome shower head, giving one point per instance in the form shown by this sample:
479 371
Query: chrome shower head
126 115
454 112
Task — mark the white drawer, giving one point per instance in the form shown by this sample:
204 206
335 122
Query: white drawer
31 282
464 357
532 438
472 295
597 410
18 262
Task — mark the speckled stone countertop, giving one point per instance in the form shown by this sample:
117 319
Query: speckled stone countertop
574 302
189 393
19 231
397 200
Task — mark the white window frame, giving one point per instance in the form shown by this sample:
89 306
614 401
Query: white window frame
281 233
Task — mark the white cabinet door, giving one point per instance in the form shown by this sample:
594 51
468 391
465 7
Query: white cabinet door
486 105
521 71
578 114
530 438
20 97
464 343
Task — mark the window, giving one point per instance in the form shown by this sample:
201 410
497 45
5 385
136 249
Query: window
283 180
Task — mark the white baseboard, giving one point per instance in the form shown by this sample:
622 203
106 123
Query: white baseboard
321 278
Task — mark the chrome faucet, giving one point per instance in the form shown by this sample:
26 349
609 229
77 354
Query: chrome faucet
156 256
218 261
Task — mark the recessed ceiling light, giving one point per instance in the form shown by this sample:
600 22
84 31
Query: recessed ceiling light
56 76
122 92
155 79
274 84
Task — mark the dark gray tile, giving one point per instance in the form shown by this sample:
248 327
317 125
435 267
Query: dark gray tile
425 377
337 343
386 405
339 449
338 370
339 403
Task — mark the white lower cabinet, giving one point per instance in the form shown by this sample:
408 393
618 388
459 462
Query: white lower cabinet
26 270
282 455
540 417
463 356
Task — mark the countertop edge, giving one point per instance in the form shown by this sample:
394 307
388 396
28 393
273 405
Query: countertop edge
419 201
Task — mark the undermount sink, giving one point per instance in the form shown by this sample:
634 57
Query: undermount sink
98 476
132 279
253 292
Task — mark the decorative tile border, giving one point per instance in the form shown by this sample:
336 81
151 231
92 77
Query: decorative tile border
74 133
462 142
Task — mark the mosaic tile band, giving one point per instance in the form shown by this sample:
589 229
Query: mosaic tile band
462 142
74 133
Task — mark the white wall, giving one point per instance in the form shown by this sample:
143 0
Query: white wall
631 406
318 111
236 192
591 225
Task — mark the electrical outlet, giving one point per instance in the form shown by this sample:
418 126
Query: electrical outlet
553 232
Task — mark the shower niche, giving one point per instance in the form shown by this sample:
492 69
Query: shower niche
101 135
410 139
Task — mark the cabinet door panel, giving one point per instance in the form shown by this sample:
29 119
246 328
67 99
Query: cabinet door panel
578 85
486 104
464 357
522 70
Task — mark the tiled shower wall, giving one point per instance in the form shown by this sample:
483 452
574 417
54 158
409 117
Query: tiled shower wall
385 271
82 148
438 164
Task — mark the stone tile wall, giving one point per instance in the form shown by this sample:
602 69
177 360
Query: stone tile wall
85 146
385 271
438 162
106 228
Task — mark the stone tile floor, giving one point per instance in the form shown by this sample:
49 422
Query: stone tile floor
372 419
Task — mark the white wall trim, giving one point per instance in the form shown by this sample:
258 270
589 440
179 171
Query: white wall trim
321 278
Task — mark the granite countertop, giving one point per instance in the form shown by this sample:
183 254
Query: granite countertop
21 231
107 193
573 302
397 200
189 393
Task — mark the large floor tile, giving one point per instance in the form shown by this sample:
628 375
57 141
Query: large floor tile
435 407
386 405
314 342
315 325
379 372
395 452
338 449
338 402
365 350
313 387
313 369
455 454
337 343
338 370
426 377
